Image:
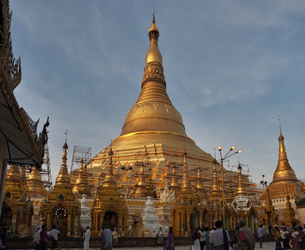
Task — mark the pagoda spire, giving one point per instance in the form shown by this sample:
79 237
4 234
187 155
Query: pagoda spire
185 183
63 177
215 192
153 112
283 172
109 180
240 188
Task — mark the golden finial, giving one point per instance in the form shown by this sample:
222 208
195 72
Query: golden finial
153 14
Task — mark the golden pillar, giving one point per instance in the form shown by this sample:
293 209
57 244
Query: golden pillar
49 222
188 221
69 224
200 219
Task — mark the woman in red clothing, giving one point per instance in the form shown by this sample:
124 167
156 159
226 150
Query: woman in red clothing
44 238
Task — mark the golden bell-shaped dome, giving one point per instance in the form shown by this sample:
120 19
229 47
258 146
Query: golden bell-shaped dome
12 182
284 180
153 111
283 172
35 184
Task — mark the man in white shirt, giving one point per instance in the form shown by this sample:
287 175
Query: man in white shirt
37 238
54 237
219 238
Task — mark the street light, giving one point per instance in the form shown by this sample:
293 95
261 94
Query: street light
263 182
227 155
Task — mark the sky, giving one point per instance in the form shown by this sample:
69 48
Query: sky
233 69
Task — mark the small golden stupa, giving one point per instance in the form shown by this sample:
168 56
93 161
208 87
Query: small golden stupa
35 184
81 186
109 205
284 180
61 207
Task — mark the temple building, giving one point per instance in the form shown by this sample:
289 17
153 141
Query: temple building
61 207
152 157
285 192
17 209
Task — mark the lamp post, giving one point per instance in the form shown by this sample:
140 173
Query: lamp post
263 182
222 158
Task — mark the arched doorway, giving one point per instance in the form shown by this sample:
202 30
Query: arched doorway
60 219
111 217
6 216
194 220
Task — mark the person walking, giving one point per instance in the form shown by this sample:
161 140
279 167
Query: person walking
195 240
261 235
202 237
246 239
277 238
170 240
36 239
160 237
219 238
87 236
54 237
106 237
44 238
285 238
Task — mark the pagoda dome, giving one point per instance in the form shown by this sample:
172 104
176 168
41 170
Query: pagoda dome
12 184
35 184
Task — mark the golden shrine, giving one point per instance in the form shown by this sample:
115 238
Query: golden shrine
284 198
109 205
61 207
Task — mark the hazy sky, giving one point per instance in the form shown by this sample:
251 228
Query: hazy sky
232 69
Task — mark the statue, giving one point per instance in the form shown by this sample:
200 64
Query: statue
85 218
84 201
167 195
137 228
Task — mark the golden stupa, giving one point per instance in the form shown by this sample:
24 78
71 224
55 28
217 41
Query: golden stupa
35 184
13 187
285 182
61 207
153 136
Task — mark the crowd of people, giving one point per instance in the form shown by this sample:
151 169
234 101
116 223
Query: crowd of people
201 238
293 238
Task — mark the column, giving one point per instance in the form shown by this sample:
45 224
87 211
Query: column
69 224
49 220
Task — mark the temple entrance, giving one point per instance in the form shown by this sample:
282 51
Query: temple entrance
111 218
194 220
6 216
60 219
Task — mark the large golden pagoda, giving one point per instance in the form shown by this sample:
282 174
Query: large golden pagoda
153 134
